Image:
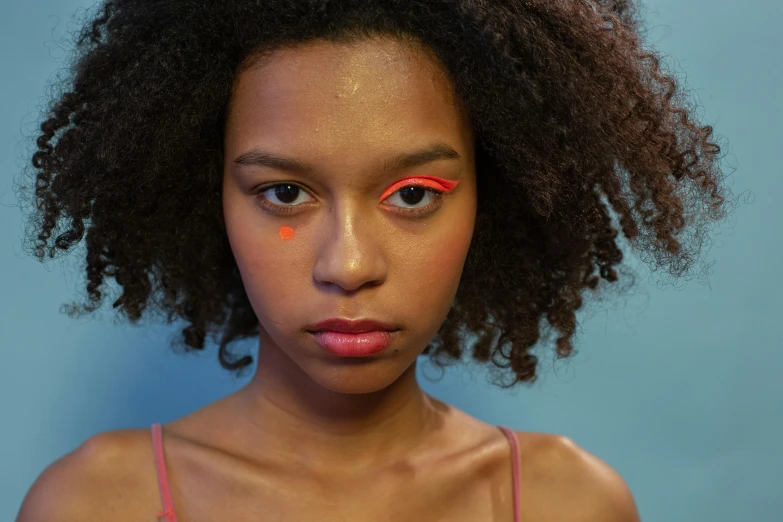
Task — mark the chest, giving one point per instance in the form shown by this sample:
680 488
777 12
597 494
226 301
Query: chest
454 495
209 486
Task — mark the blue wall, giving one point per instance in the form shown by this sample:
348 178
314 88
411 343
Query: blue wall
680 390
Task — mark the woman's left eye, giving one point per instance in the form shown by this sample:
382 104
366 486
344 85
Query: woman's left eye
413 195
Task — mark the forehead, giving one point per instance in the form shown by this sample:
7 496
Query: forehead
323 96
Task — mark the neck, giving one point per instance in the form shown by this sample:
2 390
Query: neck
299 420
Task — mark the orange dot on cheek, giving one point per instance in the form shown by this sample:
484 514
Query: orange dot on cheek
286 232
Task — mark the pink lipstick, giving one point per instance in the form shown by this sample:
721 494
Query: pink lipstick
353 338
353 344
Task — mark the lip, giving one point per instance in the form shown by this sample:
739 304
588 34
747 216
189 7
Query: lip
361 344
353 337
337 324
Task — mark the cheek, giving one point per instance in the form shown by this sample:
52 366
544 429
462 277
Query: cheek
446 258
266 258
437 268
272 274
264 254
448 253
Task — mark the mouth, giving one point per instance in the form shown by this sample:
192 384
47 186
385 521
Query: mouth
353 337
337 324
360 344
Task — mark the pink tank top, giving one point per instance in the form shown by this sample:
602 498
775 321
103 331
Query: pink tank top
167 513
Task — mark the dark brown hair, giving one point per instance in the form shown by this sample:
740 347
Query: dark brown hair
577 128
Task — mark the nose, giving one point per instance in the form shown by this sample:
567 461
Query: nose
350 255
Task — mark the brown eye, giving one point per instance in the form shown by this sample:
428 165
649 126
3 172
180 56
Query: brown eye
412 195
407 198
283 194
286 193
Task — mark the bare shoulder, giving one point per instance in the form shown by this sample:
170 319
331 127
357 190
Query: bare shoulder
581 486
94 481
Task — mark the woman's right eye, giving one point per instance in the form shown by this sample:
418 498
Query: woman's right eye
288 195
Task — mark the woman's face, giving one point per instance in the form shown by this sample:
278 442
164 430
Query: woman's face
331 240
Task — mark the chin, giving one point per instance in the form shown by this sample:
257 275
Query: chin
356 375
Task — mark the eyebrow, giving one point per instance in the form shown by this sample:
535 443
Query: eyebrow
404 160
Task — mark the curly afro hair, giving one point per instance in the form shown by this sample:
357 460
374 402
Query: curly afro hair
576 125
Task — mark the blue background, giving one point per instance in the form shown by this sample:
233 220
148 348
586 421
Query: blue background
679 389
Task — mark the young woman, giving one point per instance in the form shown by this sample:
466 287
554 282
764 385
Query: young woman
359 183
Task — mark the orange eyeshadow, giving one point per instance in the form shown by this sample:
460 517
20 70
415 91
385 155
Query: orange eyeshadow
439 184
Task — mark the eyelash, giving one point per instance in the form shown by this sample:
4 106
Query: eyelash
288 209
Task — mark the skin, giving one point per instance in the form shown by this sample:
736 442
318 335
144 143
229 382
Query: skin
355 257
312 435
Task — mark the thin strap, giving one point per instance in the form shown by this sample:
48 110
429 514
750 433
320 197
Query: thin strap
512 439
163 480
